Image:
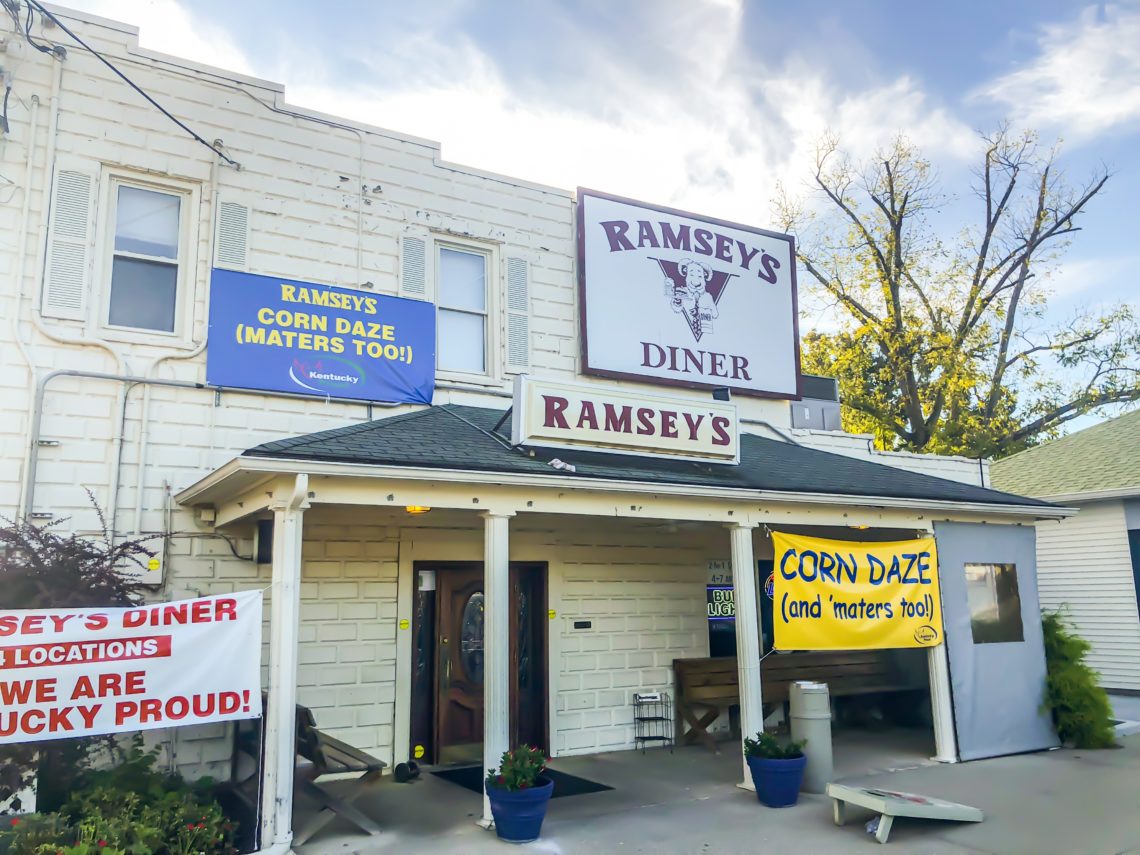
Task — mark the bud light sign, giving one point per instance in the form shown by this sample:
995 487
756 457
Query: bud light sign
279 335
686 300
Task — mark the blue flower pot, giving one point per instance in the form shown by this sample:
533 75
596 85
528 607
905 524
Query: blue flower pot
519 814
777 781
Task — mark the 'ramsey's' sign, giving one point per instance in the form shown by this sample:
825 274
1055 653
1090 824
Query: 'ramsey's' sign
685 299
596 418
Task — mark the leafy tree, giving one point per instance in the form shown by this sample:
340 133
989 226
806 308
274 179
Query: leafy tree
41 568
943 346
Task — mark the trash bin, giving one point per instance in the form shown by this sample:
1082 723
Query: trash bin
810 714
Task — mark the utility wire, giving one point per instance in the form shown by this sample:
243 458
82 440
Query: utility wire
39 7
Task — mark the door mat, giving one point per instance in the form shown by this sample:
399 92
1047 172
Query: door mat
472 777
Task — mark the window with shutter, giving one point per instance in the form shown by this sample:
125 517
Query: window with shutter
67 263
231 240
518 315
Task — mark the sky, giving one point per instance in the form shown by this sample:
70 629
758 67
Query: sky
706 105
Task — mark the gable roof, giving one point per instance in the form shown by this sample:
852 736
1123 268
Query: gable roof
1105 457
457 437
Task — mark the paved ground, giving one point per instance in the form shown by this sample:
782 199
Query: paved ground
1061 802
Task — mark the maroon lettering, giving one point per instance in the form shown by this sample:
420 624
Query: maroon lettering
555 407
702 245
694 424
693 359
588 415
716 365
645 421
675 239
768 268
724 247
720 430
615 233
669 424
746 253
619 423
659 355
645 234
740 368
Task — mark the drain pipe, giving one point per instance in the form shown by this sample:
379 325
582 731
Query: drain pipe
38 411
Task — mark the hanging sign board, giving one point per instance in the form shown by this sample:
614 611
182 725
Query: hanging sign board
601 418
683 299
279 335
854 595
80 672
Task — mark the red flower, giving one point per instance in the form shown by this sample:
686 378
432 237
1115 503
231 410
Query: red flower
190 825
499 779
15 821
201 825
102 843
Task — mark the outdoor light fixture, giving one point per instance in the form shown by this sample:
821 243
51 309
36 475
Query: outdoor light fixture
417 509
860 527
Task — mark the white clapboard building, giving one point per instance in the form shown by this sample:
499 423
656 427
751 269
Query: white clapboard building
451 421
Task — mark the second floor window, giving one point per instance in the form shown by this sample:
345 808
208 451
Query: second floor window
145 255
462 311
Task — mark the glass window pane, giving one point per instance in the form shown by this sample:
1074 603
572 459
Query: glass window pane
143 293
462 280
146 222
460 342
995 603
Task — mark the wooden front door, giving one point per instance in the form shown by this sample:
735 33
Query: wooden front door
460 660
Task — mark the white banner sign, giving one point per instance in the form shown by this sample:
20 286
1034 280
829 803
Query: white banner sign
600 418
686 300
79 672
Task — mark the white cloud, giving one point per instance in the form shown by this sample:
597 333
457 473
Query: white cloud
167 27
1086 79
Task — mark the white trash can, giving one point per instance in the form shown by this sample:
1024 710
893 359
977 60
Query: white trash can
810 716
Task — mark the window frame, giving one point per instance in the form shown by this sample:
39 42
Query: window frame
492 370
185 262
1001 621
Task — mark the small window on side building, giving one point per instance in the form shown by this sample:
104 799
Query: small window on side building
995 603
462 311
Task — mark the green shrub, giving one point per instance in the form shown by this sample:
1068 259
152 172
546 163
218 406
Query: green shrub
1080 708
766 747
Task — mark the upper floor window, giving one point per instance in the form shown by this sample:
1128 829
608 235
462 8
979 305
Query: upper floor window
145 259
462 311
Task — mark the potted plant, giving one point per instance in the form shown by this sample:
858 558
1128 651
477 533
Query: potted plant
519 794
777 769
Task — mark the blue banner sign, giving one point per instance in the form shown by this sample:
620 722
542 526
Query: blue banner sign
279 335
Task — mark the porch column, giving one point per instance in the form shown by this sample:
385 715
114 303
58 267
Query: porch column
280 716
496 644
945 740
747 635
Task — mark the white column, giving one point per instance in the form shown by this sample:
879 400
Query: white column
941 705
280 716
496 644
747 635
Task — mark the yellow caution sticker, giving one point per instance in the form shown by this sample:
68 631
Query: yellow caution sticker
552 614
154 564
418 752
405 623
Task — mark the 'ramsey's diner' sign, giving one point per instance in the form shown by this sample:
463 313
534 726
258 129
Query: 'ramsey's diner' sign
596 418
684 299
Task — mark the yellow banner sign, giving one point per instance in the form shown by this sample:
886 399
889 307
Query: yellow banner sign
849 595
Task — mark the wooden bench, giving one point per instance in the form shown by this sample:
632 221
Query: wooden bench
705 688
327 755
320 755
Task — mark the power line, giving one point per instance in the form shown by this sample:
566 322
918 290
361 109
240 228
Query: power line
36 5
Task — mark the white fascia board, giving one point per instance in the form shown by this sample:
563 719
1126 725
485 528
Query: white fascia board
285 466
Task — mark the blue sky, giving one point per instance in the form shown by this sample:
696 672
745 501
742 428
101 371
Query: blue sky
707 104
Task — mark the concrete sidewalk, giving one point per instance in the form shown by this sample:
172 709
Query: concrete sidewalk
1061 802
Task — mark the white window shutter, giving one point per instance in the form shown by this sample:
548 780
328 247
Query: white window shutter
67 265
518 315
231 236
416 266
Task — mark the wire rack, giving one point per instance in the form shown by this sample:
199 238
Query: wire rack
653 720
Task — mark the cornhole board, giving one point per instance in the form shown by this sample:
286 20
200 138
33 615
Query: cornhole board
890 803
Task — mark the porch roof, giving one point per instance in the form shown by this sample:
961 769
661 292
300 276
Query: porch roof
454 437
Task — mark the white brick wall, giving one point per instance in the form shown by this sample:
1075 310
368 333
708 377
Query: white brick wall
647 607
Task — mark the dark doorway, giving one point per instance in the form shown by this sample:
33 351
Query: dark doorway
448 666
